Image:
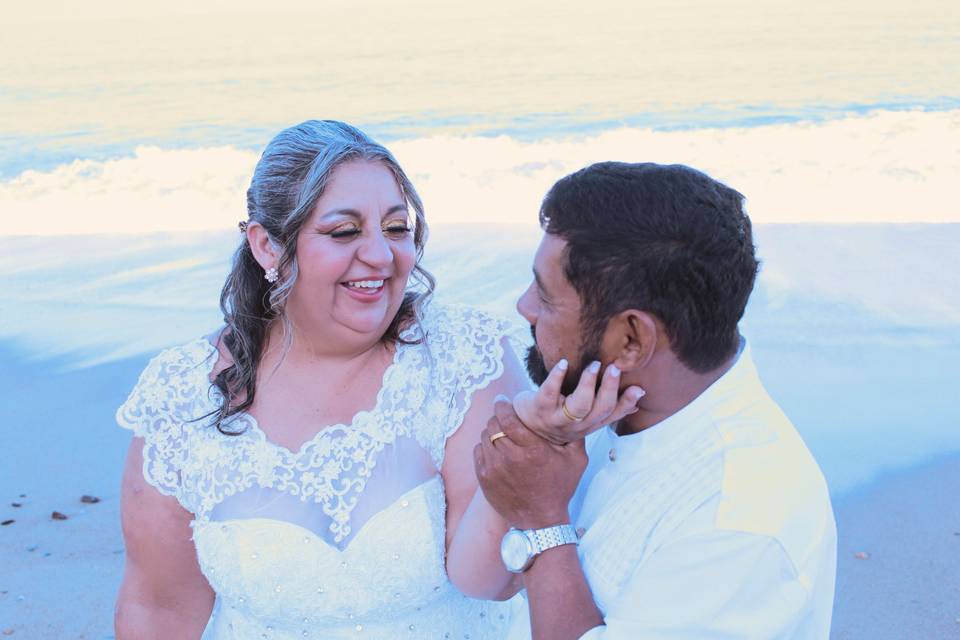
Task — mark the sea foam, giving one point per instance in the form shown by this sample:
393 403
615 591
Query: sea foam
883 166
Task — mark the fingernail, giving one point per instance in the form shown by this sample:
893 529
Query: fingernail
563 364
614 370
594 367
639 393
501 398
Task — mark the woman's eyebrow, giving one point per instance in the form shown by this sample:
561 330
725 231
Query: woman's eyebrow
353 213
395 209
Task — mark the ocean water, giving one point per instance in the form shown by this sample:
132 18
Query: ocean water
128 135
95 80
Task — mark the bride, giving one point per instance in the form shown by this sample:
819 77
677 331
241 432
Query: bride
307 472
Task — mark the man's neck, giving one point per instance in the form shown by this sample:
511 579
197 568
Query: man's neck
669 388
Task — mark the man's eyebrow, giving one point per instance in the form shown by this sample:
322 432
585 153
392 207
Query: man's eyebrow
353 213
539 280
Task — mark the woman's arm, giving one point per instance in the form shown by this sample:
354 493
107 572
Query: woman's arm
474 529
163 593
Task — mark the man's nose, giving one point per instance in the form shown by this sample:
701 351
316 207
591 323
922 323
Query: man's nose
525 306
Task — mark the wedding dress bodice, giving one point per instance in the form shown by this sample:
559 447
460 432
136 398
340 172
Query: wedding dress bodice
344 537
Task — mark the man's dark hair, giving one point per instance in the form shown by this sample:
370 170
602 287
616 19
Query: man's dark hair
665 239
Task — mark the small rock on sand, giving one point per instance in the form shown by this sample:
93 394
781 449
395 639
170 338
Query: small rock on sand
8 632
56 515
861 555
6 522
16 504
89 499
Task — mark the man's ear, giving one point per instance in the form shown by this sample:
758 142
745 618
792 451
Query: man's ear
264 251
631 339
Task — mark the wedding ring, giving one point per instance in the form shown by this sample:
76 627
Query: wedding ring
497 436
570 416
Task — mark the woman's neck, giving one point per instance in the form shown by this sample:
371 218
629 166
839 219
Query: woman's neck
286 342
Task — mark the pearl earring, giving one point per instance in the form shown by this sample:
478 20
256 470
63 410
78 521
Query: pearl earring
272 275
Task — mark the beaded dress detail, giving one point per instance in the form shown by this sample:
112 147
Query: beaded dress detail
345 537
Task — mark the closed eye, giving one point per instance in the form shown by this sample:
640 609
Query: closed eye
342 234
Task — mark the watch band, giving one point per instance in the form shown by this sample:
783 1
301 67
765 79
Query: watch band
550 537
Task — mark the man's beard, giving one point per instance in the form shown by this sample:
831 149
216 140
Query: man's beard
537 368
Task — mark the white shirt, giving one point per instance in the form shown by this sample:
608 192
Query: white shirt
715 523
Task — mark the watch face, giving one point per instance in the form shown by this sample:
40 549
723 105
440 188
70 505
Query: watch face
516 550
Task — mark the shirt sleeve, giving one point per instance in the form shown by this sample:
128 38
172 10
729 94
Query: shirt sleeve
715 584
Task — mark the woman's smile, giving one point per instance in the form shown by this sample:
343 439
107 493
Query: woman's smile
369 290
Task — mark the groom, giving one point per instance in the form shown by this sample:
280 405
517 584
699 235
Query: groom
700 515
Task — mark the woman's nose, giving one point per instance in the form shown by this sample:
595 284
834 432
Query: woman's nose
375 251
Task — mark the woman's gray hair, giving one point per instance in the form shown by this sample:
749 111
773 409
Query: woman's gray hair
287 182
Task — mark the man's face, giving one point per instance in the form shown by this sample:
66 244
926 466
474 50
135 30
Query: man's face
552 307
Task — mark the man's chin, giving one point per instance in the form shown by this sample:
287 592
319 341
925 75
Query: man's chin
535 366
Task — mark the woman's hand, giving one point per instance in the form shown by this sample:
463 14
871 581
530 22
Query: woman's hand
560 419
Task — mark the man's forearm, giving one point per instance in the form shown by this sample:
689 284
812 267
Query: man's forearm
561 605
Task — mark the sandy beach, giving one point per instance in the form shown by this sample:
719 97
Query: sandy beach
899 552
898 573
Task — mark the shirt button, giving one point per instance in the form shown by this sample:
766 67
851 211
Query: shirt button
612 455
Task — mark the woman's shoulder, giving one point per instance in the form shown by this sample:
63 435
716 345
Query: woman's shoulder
464 343
460 323
169 386
189 355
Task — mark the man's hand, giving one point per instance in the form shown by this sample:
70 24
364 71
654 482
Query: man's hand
528 480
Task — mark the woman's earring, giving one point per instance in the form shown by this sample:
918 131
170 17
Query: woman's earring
272 275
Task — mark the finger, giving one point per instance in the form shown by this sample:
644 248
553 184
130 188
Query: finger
492 429
493 426
549 394
627 404
487 452
606 399
510 424
581 400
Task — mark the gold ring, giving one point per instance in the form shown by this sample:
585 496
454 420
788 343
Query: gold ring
570 416
497 436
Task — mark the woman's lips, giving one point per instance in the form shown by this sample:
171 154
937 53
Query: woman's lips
365 292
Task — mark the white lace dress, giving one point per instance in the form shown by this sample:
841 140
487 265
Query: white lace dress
345 537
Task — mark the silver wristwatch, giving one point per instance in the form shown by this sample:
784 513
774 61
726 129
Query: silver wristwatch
519 547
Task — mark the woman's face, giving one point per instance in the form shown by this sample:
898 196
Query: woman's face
355 253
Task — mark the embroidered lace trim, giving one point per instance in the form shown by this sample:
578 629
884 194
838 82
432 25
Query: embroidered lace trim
426 393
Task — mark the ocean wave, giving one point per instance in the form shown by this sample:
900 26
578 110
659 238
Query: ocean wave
883 166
